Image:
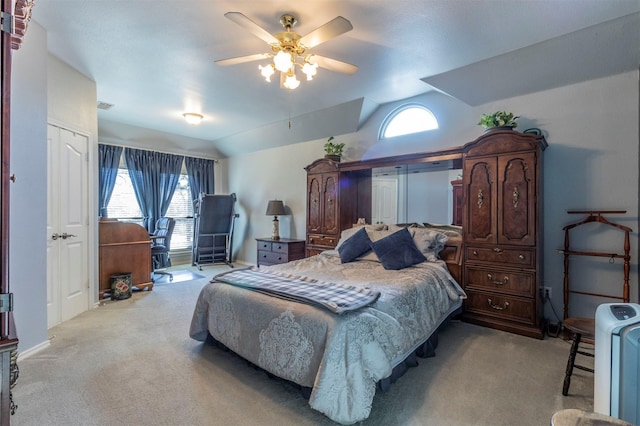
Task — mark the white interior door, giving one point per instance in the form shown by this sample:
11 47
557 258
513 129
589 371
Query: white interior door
67 225
384 200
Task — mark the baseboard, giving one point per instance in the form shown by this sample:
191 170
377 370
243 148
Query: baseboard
33 350
187 262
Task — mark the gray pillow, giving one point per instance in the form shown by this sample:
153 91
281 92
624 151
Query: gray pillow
356 245
397 251
430 242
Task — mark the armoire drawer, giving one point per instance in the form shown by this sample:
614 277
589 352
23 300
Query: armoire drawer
506 307
525 258
322 240
500 280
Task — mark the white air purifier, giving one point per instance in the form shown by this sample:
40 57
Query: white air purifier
617 361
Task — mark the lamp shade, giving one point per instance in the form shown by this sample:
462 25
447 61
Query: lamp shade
275 208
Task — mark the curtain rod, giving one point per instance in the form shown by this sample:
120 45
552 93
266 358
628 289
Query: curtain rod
215 160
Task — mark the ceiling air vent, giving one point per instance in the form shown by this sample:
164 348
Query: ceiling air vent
104 105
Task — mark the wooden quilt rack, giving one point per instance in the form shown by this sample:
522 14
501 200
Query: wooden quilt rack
595 216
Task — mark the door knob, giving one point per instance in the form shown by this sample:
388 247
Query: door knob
64 235
55 236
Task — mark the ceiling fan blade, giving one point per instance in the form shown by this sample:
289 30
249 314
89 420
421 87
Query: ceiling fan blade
333 64
326 32
252 27
242 59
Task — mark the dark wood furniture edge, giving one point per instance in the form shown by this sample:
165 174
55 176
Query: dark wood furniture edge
420 157
498 324
452 254
22 17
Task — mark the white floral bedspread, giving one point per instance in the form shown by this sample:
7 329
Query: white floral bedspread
341 356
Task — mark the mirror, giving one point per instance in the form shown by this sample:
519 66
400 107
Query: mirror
418 192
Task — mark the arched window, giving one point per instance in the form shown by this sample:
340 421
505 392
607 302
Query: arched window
406 119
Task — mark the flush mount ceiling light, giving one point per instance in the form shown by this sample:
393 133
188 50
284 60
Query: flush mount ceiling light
289 49
192 117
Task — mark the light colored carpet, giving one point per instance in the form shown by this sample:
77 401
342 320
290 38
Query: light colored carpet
131 362
178 274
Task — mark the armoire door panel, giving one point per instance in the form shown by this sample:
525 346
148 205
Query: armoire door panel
314 213
330 211
517 199
481 205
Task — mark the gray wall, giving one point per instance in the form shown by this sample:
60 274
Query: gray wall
28 195
591 163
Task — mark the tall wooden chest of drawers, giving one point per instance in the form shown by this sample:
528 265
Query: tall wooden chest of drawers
502 231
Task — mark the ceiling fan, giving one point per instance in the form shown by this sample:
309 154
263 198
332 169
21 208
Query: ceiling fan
289 49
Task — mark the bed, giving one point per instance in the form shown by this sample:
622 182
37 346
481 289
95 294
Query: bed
341 357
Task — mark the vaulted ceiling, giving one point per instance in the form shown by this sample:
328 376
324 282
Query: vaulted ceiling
154 60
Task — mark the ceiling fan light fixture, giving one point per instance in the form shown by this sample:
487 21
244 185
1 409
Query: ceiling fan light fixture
310 70
283 61
289 49
267 72
291 82
192 118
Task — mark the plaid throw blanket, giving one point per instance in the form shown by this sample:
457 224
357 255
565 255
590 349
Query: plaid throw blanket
334 297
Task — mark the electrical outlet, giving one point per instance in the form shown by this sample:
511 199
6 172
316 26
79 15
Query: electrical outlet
546 293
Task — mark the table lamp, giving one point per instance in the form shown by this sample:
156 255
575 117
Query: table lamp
275 208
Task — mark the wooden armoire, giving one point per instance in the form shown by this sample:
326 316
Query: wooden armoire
331 204
502 231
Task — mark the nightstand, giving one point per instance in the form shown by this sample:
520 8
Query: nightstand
273 252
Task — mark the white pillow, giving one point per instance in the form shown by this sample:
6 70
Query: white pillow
347 233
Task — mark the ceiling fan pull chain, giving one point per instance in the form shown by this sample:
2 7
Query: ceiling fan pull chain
289 106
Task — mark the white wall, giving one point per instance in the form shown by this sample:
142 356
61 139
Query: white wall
28 195
72 98
71 104
591 163
138 137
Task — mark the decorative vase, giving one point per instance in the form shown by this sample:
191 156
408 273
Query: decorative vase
332 157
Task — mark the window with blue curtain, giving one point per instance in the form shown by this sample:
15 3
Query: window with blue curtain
124 205
154 176
108 163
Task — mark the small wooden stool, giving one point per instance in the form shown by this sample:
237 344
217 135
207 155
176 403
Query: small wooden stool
582 330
